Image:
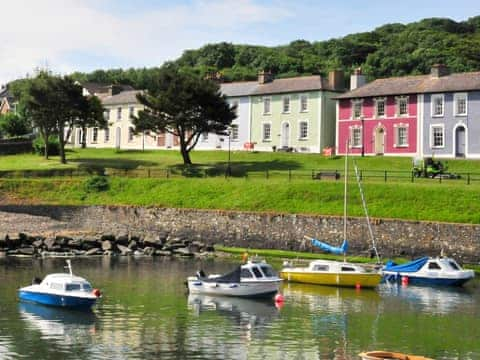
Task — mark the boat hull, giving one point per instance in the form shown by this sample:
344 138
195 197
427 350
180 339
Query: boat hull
426 281
64 301
366 280
260 289
381 355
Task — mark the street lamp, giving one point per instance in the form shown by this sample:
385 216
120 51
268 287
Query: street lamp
362 119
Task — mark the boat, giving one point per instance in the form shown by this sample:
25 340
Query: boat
63 290
438 271
254 279
388 355
336 273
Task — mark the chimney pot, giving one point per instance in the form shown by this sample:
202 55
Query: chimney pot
439 70
265 77
357 79
336 80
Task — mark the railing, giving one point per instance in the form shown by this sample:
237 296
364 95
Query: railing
385 176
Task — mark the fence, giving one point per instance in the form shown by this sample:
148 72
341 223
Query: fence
242 172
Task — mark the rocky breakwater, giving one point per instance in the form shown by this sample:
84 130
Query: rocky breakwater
154 244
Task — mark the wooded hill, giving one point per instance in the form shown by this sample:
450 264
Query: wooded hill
390 50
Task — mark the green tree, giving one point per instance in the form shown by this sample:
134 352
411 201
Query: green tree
185 106
90 115
13 125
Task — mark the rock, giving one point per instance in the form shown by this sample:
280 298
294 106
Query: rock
108 253
133 245
209 248
75 243
3 253
49 243
124 250
26 250
90 243
38 243
3 241
94 251
149 251
62 240
122 239
79 252
108 237
183 252
163 253
152 240
106 245
138 252
13 243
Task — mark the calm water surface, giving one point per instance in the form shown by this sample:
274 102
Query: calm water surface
146 313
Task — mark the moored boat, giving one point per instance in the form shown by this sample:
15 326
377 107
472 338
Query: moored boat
332 273
440 271
253 279
388 355
62 290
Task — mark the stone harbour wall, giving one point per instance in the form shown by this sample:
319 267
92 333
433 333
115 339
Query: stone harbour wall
245 229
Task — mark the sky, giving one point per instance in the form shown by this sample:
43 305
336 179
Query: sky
84 35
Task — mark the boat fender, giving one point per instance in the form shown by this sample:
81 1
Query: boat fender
404 280
97 293
279 298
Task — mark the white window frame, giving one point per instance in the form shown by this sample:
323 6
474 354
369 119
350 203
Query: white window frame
286 102
397 128
119 114
131 134
269 99
354 129
94 135
234 135
265 139
433 98
131 112
307 126
398 100
106 114
355 103
432 127
106 135
302 98
384 101
456 97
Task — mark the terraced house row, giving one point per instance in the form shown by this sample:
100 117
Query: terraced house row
436 114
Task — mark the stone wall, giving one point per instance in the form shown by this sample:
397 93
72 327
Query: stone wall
249 229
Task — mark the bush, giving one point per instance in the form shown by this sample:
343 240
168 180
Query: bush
97 184
53 146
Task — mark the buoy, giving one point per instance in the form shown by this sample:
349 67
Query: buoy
404 280
245 257
97 293
358 286
279 298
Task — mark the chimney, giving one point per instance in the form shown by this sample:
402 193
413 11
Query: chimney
357 79
439 70
215 76
336 80
265 77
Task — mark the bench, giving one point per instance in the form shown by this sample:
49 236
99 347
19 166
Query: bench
332 175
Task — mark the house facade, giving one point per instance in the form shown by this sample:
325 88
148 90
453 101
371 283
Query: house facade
295 114
427 115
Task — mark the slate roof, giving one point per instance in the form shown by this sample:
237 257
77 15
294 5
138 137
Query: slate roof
95 88
240 88
125 97
420 84
295 84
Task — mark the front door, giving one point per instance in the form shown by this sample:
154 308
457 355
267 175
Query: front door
460 141
285 135
118 138
379 141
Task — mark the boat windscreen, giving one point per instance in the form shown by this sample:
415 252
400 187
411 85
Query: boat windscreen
267 271
72 287
454 265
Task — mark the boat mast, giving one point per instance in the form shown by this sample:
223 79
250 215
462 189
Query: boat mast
69 266
345 195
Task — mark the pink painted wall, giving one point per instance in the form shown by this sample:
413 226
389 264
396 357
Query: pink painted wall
371 124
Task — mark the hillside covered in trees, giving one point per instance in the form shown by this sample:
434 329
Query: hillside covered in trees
390 50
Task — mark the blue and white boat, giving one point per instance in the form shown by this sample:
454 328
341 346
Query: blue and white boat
62 290
440 271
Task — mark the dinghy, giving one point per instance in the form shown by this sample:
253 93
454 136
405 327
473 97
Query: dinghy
388 355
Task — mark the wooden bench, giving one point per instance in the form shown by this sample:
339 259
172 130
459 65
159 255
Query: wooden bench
332 175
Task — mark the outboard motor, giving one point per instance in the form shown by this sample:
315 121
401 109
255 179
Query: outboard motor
36 281
201 274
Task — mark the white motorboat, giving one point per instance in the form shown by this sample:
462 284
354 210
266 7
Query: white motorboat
253 279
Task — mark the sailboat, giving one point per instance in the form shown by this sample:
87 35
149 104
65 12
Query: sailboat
336 273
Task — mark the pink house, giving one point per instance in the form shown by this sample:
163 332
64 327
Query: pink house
379 118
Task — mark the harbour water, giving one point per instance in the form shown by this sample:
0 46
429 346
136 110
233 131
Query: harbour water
146 313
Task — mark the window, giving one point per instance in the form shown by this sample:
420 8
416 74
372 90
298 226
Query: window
380 107
454 265
72 287
303 130
460 104
437 105
119 114
402 106
95 135
245 273
205 136
320 268
267 271
401 136
234 132
131 112
347 268
130 134
106 135
437 136
357 109
266 105
303 103
106 114
286 104
434 266
257 272
356 138
267 132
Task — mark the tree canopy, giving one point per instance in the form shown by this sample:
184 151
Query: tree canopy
185 106
390 50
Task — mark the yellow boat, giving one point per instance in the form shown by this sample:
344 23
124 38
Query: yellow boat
332 273
387 355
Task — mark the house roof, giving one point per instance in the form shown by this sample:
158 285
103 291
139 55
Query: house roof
419 84
99 88
241 88
125 97
295 84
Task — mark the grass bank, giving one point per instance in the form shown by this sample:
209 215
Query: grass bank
431 201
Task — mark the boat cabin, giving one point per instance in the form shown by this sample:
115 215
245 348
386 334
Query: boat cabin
255 270
335 266
66 282
442 264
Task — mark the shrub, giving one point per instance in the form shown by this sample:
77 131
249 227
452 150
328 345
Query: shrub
97 184
53 146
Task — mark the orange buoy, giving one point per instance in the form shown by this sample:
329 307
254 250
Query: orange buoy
245 257
97 292
279 298
404 280
358 286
